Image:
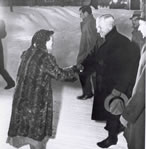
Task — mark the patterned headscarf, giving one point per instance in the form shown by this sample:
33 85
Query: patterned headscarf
40 38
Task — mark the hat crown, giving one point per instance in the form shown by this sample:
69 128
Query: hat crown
136 14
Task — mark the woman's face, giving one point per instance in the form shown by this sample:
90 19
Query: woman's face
49 44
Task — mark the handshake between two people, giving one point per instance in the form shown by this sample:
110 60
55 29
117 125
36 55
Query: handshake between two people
78 68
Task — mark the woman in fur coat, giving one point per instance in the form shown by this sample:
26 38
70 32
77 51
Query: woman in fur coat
32 109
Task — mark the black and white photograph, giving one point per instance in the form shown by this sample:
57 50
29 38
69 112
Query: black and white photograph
72 74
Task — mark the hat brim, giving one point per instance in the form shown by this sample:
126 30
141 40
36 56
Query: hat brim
109 99
136 17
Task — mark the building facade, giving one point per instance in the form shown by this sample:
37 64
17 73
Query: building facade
46 2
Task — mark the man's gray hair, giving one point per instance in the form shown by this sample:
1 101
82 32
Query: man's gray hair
109 19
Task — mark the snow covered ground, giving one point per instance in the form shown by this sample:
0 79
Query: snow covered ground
71 117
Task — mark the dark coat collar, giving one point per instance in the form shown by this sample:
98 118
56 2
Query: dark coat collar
111 33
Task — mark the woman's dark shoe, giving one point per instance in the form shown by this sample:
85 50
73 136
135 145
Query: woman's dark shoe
9 86
108 142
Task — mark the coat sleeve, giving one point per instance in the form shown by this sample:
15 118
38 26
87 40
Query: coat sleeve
91 36
136 104
56 72
127 63
82 48
2 29
90 62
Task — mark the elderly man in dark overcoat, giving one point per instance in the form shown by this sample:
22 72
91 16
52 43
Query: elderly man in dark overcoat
3 72
115 63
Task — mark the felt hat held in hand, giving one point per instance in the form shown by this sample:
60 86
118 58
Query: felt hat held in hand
115 103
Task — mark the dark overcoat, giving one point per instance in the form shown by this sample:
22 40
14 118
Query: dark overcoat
88 37
115 62
2 35
32 109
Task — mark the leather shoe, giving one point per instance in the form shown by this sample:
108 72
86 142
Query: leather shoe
84 97
108 142
81 97
88 96
106 127
9 86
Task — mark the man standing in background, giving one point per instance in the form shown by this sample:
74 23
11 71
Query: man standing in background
94 3
87 43
3 72
136 34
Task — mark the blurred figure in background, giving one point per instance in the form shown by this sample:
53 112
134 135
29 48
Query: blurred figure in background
87 43
3 71
32 109
136 34
94 3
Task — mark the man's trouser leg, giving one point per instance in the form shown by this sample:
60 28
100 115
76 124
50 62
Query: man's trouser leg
6 76
113 126
86 84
